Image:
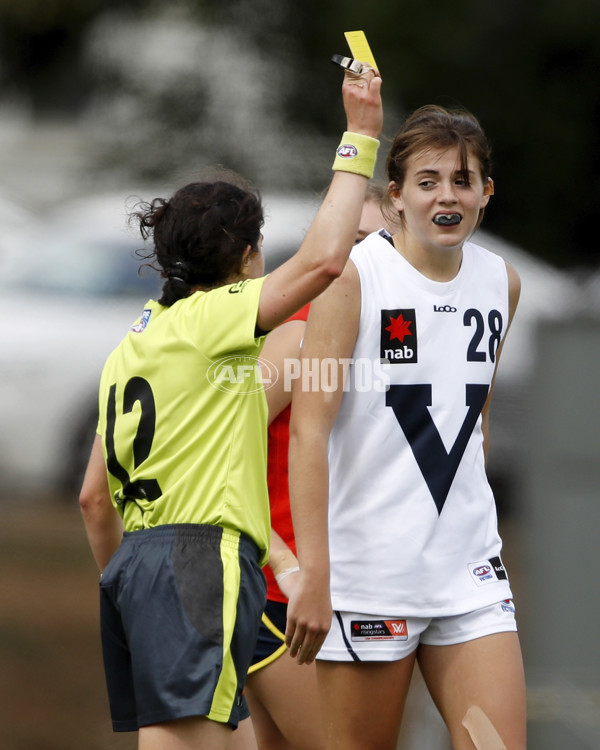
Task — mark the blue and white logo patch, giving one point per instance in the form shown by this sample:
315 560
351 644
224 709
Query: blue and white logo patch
487 571
143 321
482 572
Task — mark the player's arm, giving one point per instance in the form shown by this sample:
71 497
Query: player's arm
514 292
327 244
313 414
281 355
103 524
284 564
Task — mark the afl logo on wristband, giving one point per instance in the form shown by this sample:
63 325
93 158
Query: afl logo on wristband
347 151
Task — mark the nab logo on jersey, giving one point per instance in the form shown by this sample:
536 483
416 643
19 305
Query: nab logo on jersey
399 336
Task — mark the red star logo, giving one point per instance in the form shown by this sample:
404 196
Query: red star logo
399 328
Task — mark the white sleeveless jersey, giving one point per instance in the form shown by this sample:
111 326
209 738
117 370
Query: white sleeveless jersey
413 527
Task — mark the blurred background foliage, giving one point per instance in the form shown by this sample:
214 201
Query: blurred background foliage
162 89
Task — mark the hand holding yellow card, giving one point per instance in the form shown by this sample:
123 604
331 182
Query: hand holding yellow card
357 41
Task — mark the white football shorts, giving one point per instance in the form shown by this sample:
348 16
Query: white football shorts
367 637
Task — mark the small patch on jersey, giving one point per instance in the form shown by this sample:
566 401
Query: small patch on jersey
398 341
143 321
378 630
482 572
487 571
499 568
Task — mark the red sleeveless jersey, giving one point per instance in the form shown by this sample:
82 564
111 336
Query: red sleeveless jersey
277 480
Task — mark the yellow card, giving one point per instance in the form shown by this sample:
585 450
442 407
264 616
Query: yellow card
357 41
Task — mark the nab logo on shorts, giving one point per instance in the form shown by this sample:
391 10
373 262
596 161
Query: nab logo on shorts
399 336
378 630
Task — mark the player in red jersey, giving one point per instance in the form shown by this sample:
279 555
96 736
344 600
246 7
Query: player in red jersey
283 697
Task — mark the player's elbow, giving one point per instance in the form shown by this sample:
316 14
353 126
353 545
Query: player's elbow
335 267
87 503
329 270
92 502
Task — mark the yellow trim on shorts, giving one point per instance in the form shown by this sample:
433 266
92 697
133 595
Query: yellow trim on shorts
276 654
226 689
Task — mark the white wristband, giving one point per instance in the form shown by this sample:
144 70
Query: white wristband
287 572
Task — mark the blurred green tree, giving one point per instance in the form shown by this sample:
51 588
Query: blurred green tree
527 70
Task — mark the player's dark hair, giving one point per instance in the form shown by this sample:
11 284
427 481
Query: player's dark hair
200 235
436 127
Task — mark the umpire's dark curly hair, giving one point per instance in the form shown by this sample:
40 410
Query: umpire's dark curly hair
200 235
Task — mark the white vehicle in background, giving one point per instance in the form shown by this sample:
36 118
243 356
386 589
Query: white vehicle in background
69 290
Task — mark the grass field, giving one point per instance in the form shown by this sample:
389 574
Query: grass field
52 694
